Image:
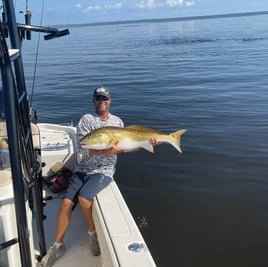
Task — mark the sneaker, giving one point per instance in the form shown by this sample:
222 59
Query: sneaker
52 255
94 244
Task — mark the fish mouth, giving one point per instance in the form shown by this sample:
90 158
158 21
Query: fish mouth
85 146
82 143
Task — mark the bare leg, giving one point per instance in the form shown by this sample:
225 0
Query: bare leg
64 218
86 206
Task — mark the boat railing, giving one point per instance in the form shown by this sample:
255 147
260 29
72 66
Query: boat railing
24 164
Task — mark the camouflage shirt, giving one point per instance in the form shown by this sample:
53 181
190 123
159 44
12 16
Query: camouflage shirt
100 163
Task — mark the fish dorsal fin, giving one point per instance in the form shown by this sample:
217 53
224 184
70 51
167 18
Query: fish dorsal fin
142 128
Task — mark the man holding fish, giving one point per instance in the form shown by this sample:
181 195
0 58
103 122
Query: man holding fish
102 137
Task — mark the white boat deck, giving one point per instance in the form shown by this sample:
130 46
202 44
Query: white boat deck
115 225
76 238
58 147
120 240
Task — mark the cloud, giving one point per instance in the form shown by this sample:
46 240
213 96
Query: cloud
114 6
102 7
173 3
190 3
168 3
91 8
147 4
143 4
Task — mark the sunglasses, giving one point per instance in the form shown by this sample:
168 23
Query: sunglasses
101 97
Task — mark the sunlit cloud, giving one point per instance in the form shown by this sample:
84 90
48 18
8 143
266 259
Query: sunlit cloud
114 6
174 2
189 3
149 4
103 7
143 4
92 8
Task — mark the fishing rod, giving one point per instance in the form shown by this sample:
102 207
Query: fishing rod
35 116
52 33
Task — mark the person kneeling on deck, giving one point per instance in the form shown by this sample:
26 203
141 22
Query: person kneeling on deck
94 173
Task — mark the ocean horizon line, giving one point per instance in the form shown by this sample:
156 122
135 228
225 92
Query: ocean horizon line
155 20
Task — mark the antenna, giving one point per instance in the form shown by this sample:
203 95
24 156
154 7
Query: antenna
28 17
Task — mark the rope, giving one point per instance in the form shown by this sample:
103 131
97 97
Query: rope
37 53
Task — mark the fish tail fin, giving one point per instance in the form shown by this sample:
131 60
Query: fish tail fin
176 139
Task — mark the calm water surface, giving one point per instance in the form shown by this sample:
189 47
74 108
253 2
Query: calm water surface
207 206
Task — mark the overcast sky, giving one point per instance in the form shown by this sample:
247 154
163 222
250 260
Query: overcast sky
89 11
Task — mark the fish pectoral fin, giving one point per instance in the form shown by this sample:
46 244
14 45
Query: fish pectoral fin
148 147
113 142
